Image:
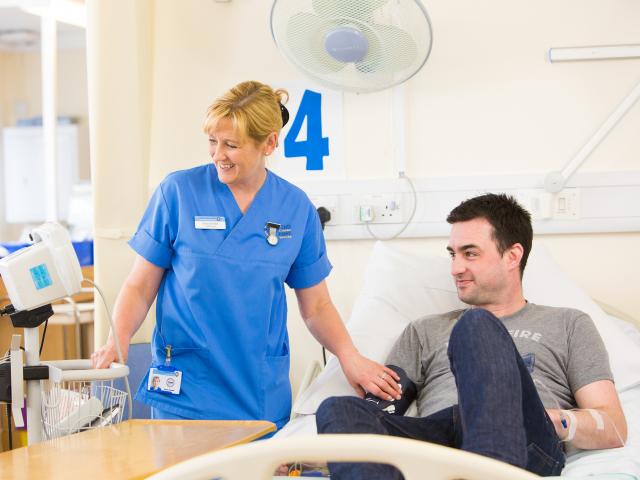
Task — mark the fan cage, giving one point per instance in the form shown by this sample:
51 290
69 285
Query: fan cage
299 26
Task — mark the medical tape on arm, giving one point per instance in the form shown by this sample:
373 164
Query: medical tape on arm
597 416
573 425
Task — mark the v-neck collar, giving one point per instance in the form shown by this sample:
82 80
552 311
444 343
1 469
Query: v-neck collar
239 225
230 200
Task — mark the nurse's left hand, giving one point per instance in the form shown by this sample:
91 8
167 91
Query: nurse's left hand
365 375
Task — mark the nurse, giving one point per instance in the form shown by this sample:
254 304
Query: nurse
216 246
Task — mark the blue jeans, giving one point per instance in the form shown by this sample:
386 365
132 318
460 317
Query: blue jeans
499 413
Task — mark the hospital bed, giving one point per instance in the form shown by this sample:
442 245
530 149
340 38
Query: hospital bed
398 288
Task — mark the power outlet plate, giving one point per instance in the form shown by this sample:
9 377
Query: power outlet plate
330 202
390 212
566 204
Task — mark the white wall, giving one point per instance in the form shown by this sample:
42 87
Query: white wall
20 92
486 102
119 64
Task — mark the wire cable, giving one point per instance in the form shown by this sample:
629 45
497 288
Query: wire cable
9 426
44 334
413 212
117 342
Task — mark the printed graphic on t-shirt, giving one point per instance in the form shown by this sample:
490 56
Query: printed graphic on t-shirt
535 336
530 361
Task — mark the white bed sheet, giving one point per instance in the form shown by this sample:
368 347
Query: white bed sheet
619 463
624 460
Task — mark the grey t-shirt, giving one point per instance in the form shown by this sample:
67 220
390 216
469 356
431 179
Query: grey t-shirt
561 348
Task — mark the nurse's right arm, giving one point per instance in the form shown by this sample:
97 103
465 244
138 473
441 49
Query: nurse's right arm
132 305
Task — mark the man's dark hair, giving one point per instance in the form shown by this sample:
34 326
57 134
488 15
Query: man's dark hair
511 223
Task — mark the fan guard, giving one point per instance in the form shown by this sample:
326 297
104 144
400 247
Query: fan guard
358 46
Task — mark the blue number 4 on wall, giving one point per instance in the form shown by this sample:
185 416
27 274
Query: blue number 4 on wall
315 147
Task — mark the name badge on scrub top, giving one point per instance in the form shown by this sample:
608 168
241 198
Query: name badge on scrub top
162 380
210 223
165 378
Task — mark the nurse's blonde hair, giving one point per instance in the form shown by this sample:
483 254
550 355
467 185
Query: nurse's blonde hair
253 107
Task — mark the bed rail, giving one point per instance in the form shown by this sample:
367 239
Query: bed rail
415 459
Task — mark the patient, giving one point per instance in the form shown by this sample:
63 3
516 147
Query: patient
504 378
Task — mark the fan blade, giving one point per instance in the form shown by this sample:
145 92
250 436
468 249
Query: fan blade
393 50
346 8
305 38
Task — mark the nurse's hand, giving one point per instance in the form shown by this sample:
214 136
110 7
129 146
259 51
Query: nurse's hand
105 355
365 375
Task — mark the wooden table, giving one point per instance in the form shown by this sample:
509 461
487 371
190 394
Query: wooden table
131 449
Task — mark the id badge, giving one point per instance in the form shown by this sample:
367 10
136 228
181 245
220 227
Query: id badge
164 379
210 223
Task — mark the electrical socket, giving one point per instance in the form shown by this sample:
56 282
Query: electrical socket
330 202
389 212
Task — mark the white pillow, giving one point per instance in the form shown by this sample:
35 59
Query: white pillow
546 284
400 287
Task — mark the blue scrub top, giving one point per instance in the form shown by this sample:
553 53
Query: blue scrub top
221 303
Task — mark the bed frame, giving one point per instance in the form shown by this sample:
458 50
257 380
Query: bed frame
415 459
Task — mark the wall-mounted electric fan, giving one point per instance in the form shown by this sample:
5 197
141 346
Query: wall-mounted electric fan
353 45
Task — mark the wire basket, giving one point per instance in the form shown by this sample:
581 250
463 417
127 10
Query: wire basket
78 398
